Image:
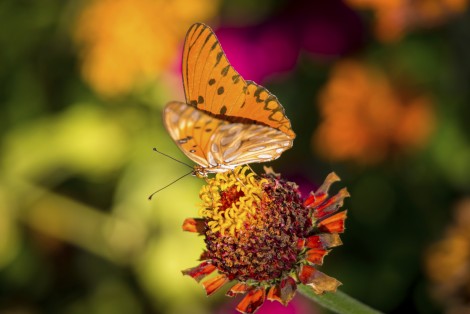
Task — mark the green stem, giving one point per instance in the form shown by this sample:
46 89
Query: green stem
337 302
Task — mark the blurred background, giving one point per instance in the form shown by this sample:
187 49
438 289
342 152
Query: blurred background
377 91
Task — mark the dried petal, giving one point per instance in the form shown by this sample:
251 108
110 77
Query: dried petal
200 271
287 290
331 205
320 282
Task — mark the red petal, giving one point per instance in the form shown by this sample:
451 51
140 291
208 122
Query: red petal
319 282
333 224
214 284
194 225
300 243
323 241
252 301
316 256
199 272
287 290
331 205
238 288
322 193
310 199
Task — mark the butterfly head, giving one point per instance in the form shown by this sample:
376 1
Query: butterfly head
199 172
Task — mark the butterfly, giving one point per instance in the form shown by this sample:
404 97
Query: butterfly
226 121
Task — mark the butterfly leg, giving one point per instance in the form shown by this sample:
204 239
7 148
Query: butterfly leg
251 169
236 177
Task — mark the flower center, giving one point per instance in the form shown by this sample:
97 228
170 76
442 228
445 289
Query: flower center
230 200
253 225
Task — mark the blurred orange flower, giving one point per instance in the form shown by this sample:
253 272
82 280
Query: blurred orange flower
447 263
366 118
395 17
127 42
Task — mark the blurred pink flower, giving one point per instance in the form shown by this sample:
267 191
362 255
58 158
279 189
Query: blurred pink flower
324 29
298 305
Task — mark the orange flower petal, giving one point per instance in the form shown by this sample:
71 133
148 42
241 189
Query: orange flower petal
194 225
199 272
319 282
252 301
274 294
323 241
214 284
333 224
238 288
316 256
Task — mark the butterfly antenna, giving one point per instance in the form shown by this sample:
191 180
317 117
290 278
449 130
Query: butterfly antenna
156 150
151 195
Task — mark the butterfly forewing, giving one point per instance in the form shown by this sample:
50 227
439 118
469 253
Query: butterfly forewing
264 107
210 82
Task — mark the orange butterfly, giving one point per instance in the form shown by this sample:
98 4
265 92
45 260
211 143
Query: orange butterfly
226 121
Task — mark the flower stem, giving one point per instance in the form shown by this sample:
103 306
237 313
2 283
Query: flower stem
337 302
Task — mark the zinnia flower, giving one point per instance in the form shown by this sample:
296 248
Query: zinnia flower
260 234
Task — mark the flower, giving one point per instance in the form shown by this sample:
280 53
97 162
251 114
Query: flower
261 234
447 263
128 42
395 17
367 118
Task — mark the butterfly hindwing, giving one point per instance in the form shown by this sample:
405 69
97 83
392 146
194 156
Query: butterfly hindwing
191 130
237 144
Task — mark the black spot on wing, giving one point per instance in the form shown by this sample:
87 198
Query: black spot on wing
236 78
220 90
193 103
208 130
224 71
200 100
258 93
211 81
223 110
214 45
218 58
